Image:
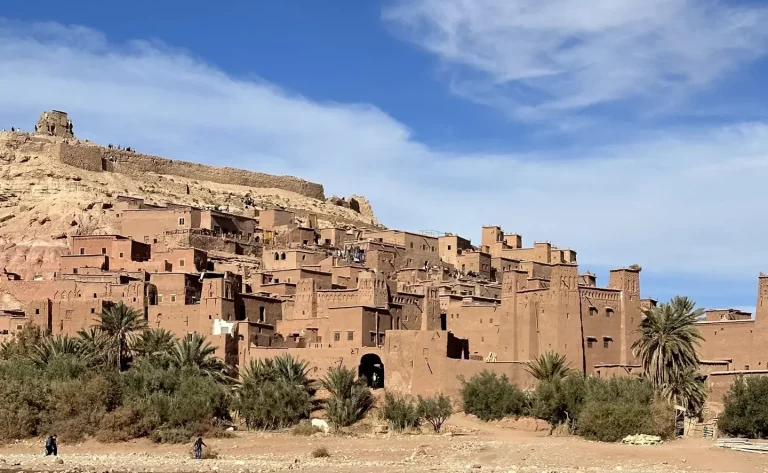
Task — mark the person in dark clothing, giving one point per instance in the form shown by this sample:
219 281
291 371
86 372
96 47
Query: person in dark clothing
50 446
198 447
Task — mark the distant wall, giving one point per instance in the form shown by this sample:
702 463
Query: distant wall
97 158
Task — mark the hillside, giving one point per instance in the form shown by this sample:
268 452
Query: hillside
43 199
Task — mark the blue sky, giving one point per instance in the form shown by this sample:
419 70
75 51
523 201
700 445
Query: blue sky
634 131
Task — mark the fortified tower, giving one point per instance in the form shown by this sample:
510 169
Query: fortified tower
54 123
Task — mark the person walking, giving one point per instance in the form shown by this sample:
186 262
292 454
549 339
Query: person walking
198 448
50 446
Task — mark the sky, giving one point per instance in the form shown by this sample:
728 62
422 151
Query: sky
632 131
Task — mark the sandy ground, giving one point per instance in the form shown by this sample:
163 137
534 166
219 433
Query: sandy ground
474 447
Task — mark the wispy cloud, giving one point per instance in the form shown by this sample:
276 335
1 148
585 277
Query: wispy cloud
539 58
688 203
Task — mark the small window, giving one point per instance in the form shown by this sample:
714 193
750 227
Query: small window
381 338
327 241
182 221
305 242
411 245
20 327
373 337
608 312
103 251
336 336
277 280
121 254
277 256
82 251
262 312
37 311
173 297
160 298
93 311
350 336
607 341
592 311
94 295
74 270
282 255
591 342
182 262
490 321
449 247
303 257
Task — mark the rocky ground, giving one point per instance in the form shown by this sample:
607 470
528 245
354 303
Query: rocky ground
469 446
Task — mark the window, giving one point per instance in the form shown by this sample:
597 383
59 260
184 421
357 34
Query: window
93 311
305 242
591 342
449 247
103 251
20 327
160 298
282 255
121 254
327 241
37 311
182 262
277 256
173 297
74 270
182 221
336 336
82 251
592 311
373 337
262 311
277 280
411 245
490 321
94 295
608 312
381 339
606 341
350 336
303 257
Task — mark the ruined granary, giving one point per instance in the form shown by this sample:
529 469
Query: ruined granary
418 310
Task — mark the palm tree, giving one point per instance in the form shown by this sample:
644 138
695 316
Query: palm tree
350 397
51 348
293 371
154 343
687 390
668 339
96 341
120 322
193 353
548 367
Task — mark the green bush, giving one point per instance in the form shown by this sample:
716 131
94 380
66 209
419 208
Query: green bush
400 412
746 408
435 410
350 398
177 435
490 397
306 429
559 401
273 404
23 399
619 406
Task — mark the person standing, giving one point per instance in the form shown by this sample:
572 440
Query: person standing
198 448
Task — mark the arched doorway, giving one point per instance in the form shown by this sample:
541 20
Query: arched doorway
372 369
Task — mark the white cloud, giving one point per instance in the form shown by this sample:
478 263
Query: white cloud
688 203
536 58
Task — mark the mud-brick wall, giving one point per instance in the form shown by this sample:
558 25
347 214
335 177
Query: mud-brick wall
83 157
139 164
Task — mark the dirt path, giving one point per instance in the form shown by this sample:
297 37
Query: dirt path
476 447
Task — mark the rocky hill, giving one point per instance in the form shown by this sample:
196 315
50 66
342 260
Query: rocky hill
55 186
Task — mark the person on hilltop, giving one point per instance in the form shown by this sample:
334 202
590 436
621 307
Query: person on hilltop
198 448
